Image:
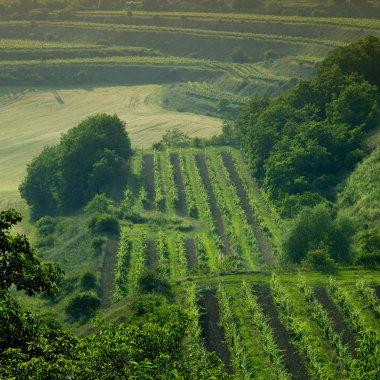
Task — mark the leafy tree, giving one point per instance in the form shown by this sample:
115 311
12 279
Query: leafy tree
88 160
316 229
40 188
83 306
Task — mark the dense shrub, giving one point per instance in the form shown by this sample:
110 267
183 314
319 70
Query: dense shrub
83 305
316 229
88 281
318 259
152 282
104 223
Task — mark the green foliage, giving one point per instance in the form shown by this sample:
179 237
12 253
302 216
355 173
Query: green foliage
104 223
367 366
316 229
305 141
19 264
99 204
174 138
87 161
46 225
152 281
88 281
318 259
84 305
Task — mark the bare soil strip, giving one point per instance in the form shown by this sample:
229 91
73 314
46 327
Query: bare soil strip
201 163
341 327
262 242
212 333
151 254
148 175
191 254
180 206
107 278
293 360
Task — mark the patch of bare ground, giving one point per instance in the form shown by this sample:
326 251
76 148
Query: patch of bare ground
212 332
180 205
201 164
293 360
151 254
148 175
348 338
262 242
191 254
107 278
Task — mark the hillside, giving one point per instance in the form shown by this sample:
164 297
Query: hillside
200 183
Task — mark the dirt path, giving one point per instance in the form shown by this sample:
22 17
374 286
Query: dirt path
180 206
107 278
340 325
293 360
217 216
191 254
262 242
212 333
148 175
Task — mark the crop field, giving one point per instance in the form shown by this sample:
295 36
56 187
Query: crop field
31 119
203 226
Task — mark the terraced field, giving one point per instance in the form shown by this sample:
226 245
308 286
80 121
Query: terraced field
262 325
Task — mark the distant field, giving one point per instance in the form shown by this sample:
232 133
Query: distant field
31 119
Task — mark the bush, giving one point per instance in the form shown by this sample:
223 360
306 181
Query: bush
152 282
318 259
104 223
99 204
238 55
314 229
368 260
46 226
83 305
88 281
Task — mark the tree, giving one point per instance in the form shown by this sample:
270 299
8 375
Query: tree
316 229
89 159
40 187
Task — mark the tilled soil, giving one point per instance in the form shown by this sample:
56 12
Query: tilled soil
293 360
264 247
212 333
180 206
148 175
107 278
201 163
348 338
191 254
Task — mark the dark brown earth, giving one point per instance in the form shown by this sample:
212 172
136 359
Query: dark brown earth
293 360
191 254
201 163
212 333
148 175
348 338
180 206
151 254
262 242
107 278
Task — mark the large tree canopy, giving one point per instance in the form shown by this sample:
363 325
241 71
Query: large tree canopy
87 161
307 140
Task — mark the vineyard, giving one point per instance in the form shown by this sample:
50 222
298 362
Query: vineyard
204 226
